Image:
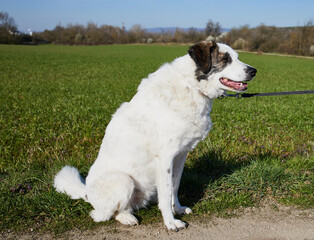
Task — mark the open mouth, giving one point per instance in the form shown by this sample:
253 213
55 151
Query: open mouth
237 86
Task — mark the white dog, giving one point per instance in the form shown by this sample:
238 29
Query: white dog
147 141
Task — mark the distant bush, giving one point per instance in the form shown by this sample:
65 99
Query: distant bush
240 43
294 40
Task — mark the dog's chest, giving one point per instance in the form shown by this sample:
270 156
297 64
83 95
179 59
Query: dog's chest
197 123
197 130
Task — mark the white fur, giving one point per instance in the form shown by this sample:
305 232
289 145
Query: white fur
234 71
147 141
69 181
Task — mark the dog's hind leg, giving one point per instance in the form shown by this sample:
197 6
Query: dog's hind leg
111 194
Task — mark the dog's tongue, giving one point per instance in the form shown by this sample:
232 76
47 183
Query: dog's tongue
239 86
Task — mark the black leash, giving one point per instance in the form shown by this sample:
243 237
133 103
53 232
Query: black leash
248 95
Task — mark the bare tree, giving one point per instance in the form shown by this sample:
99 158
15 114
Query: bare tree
8 28
213 29
305 38
137 33
7 22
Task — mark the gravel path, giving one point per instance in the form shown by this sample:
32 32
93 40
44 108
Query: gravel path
262 223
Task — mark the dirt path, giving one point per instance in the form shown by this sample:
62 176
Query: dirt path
276 54
263 223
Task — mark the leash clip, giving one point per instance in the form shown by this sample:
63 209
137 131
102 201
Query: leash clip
239 95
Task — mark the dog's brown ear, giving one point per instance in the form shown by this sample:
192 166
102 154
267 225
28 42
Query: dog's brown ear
201 53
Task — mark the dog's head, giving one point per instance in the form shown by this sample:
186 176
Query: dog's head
218 69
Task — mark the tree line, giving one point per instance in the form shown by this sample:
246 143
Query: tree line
294 40
91 34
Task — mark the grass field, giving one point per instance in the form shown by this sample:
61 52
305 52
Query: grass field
56 102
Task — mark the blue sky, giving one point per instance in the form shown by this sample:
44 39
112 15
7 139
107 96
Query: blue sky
46 14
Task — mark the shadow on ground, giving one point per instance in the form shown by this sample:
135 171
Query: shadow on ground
199 174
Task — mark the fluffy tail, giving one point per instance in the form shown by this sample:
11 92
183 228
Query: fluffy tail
69 181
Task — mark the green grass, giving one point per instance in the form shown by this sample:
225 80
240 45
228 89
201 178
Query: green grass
56 102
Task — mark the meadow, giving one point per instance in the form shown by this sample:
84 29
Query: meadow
56 102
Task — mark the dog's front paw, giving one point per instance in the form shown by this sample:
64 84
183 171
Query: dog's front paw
98 216
127 219
176 225
183 210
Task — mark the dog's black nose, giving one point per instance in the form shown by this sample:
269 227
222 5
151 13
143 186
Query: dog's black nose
251 71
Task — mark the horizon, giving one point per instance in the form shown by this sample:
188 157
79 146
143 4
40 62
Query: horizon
41 15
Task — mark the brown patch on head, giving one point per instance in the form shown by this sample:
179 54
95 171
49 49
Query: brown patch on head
202 53
208 59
